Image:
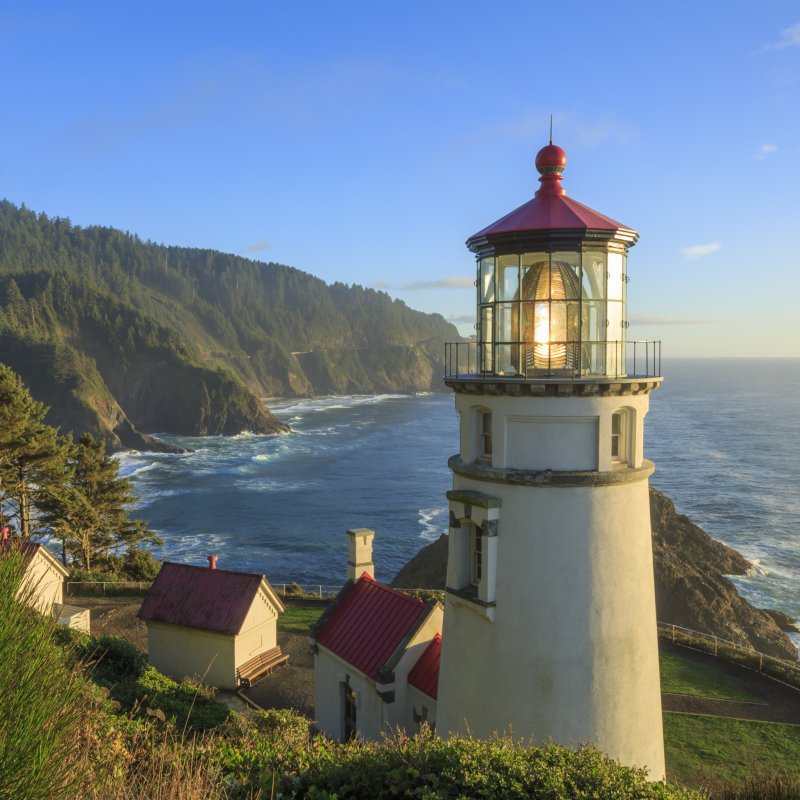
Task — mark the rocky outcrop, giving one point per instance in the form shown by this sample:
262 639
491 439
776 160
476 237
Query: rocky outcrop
691 587
692 590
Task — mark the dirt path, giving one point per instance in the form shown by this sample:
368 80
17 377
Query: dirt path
774 702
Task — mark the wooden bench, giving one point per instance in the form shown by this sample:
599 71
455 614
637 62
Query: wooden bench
260 665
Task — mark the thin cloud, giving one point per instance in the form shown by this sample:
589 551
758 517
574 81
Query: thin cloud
258 247
700 250
644 319
790 37
461 318
453 282
765 150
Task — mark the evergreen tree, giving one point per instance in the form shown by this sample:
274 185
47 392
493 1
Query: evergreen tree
90 514
32 456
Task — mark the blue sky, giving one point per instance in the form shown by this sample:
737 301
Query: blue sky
365 141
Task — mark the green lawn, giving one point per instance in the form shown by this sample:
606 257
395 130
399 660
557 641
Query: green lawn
699 747
680 676
298 619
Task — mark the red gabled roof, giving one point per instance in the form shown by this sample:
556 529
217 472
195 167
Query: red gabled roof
369 623
198 597
17 545
425 673
29 549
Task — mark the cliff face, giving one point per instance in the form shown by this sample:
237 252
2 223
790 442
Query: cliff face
187 341
691 587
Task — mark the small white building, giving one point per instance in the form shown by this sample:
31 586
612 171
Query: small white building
213 624
376 654
43 583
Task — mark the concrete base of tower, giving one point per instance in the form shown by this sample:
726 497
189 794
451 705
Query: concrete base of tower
569 650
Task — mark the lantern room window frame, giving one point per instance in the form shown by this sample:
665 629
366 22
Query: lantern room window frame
567 318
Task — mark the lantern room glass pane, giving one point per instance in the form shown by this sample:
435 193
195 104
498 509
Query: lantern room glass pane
508 277
594 275
487 280
615 273
487 356
527 262
569 269
506 349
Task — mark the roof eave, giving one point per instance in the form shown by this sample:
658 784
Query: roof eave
549 239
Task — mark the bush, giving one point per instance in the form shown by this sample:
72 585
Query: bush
280 760
181 703
116 658
139 565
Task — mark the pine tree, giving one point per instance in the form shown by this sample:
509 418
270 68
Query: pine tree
32 455
90 514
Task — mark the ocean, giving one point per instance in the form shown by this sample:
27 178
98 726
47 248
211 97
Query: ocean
724 434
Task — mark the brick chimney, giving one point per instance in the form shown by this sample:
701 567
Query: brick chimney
212 562
359 553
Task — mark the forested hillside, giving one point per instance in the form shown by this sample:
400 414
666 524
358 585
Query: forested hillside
120 336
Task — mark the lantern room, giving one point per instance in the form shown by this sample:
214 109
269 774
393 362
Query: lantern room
551 285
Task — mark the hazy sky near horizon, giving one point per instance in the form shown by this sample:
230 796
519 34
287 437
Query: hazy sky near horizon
365 141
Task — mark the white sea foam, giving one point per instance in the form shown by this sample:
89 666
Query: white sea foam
141 470
433 523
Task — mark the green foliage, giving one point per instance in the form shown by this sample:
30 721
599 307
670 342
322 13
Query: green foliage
42 701
32 456
429 767
139 565
90 511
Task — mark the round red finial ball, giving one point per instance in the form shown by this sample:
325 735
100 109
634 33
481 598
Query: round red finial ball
551 158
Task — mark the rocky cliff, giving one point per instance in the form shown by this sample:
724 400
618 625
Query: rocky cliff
691 587
188 341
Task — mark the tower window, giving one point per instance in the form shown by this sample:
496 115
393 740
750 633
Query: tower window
349 711
619 443
485 445
476 547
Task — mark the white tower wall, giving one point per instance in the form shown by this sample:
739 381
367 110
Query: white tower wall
557 638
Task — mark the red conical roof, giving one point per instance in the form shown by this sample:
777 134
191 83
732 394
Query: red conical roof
550 208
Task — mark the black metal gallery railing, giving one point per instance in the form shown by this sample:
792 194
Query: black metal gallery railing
565 360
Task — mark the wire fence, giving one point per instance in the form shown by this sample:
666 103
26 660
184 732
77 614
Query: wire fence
786 672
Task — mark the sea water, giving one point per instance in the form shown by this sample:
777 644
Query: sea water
724 434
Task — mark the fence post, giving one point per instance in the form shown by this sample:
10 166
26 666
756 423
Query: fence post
716 642
673 633
760 661
320 592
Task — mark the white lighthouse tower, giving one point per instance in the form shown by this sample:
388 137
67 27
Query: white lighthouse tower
550 624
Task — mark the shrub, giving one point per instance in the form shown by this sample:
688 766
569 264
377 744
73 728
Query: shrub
138 564
116 658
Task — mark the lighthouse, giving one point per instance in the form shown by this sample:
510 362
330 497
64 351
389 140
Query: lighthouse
550 623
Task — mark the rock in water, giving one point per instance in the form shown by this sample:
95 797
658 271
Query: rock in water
691 587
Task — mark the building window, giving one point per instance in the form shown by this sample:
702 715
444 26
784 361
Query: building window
619 444
476 550
485 445
349 709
